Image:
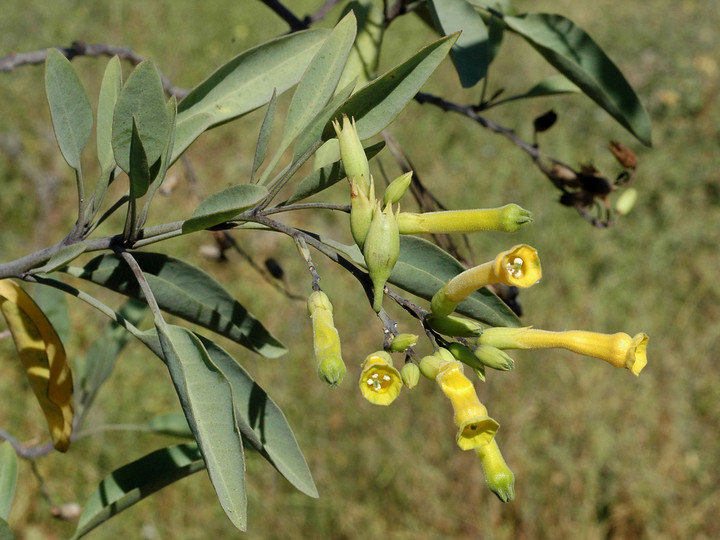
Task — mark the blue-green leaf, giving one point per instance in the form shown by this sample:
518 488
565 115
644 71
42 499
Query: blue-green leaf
423 268
224 205
245 83
69 107
186 291
379 103
173 424
8 478
263 423
207 401
470 54
141 100
135 481
571 51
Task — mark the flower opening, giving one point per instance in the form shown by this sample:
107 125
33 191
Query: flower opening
380 382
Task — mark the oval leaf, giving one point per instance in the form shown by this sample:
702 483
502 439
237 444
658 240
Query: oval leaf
186 291
143 99
245 83
378 104
69 107
224 205
173 424
207 401
43 357
8 478
135 481
571 51
63 256
470 54
262 422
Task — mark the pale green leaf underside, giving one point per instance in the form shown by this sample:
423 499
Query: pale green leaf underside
207 401
245 83
8 478
69 107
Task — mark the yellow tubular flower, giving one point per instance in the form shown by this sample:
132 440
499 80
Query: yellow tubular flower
619 350
326 340
519 267
498 476
380 382
508 218
475 427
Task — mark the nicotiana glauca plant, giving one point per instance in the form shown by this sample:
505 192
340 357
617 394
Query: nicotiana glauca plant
338 104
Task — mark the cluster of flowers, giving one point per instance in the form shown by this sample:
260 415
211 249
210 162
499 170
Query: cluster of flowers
376 229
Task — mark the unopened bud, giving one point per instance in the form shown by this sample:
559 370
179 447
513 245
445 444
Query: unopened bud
402 342
451 325
508 218
353 156
410 374
381 250
362 207
494 358
397 188
326 340
626 201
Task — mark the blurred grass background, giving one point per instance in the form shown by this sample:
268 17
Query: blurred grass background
597 453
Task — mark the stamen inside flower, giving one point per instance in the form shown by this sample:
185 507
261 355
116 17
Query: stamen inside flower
515 267
379 383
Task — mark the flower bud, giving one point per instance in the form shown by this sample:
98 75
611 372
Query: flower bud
402 342
451 325
508 218
362 207
381 250
467 357
326 340
380 382
410 374
498 476
397 188
626 201
353 156
494 358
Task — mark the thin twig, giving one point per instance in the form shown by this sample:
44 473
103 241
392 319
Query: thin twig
79 48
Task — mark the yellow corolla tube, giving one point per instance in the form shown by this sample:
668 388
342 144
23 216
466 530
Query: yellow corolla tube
620 350
326 340
508 218
475 427
519 267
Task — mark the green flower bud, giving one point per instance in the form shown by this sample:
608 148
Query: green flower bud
431 365
494 358
410 374
466 356
381 250
353 156
451 325
361 212
403 341
326 340
498 476
508 218
626 201
397 188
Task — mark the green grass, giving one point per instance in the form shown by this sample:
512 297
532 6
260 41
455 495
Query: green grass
596 452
